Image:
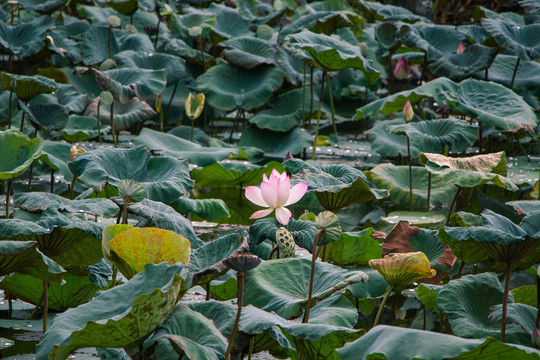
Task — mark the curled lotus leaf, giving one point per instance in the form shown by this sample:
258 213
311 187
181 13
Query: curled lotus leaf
110 233
194 105
524 40
28 87
402 269
18 153
25 38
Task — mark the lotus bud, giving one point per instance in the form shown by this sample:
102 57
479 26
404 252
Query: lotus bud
114 21
403 269
194 105
402 70
195 31
461 48
106 98
535 337
264 32
74 151
107 64
288 157
408 112
13 84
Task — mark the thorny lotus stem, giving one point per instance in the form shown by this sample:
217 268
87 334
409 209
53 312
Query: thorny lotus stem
46 305
112 125
171 99
514 74
318 235
429 192
7 198
240 279
452 206
318 118
381 307
9 108
410 173
505 300
329 86
99 123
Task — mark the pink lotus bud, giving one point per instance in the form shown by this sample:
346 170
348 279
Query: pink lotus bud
288 156
461 48
408 112
402 70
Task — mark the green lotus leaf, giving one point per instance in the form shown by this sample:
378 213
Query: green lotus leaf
282 285
28 87
97 34
190 334
471 171
460 66
389 144
332 229
56 155
207 261
475 34
179 48
131 189
119 317
43 6
125 115
402 269
302 232
524 40
354 248
395 179
229 23
465 219
26 38
331 52
125 7
521 314
436 40
181 24
276 144
228 87
41 201
232 173
207 209
164 178
502 69
498 239
165 217
419 218
387 342
72 292
387 12
323 22
391 35
18 153
81 128
467 302
525 206
427 293
174 66
25 258
46 117
501 108
182 149
132 249
336 185
249 52
434 135
284 113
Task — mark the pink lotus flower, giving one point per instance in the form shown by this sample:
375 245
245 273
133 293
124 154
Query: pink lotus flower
275 193
402 70
461 48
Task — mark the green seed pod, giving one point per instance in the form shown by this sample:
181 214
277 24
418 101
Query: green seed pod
114 21
285 243
107 64
265 32
106 98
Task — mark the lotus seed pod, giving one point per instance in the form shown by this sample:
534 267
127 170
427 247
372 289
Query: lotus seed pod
114 21
242 262
195 31
285 243
107 64
106 98
363 48
265 32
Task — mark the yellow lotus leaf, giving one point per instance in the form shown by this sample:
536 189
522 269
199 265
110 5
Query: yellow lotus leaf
403 269
109 233
131 250
194 105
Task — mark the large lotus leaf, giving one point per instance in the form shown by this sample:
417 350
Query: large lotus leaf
387 12
181 24
41 201
182 149
228 87
418 218
24 257
282 285
395 179
174 66
126 7
56 155
179 48
302 232
463 65
524 40
436 40
240 208
119 317
396 343
46 117
525 206
354 248
434 135
164 178
28 87
92 54
502 70
389 144
331 52
249 52
132 249
25 38
493 104
471 171
322 22
207 209
467 302
284 113
43 6
229 23
396 102
125 115
276 144
17 154
232 173
336 185
81 128
72 292
521 314
391 35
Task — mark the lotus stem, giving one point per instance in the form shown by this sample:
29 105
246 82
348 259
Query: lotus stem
274 250
304 98
157 33
208 294
522 148
161 119
514 74
22 122
251 344
441 315
46 304
7 198
114 274
480 137
486 75
323 256
10 304
109 42
461 266
171 99
454 199
390 75
424 325
318 235
112 125
329 86
537 300
424 65
240 276
9 108
505 300
410 174
237 117
318 118
72 188
10 61
311 98
202 52
381 307
429 192
366 98
99 123
127 200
